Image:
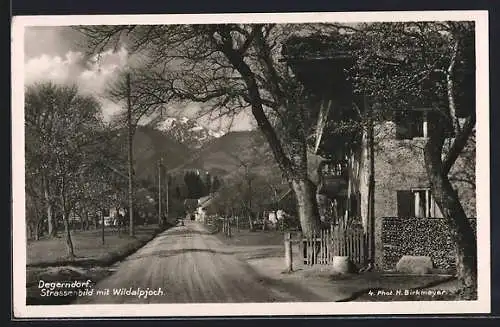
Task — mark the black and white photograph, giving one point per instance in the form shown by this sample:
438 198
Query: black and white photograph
251 164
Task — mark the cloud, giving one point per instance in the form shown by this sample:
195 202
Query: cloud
90 76
53 68
93 74
50 40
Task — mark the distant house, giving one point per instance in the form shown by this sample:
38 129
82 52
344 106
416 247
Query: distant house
200 213
197 208
206 206
283 208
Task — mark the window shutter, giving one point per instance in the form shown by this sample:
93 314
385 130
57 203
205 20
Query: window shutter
437 212
406 204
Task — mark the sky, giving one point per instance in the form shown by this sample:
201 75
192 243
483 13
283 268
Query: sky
57 54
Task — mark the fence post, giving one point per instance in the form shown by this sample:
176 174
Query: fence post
288 252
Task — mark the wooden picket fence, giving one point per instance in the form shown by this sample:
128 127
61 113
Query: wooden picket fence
225 226
328 243
219 224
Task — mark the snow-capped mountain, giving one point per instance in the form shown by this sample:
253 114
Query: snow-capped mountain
187 131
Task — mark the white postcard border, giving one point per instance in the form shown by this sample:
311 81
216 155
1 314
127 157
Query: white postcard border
482 305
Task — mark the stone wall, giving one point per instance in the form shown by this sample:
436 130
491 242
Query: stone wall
419 237
399 165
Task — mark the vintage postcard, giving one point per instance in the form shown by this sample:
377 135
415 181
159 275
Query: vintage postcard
251 164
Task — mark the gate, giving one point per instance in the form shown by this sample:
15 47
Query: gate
328 243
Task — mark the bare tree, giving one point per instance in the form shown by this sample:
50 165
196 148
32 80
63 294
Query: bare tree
128 89
229 67
398 65
61 141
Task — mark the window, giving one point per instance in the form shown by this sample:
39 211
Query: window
422 203
417 203
414 123
410 124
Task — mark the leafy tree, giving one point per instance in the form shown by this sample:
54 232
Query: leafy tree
177 193
215 184
194 185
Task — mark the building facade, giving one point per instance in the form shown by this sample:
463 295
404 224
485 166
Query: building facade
379 175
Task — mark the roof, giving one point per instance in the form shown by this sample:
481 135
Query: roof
190 204
207 203
204 199
284 195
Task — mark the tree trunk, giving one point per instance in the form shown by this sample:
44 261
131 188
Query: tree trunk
305 190
32 229
160 216
102 226
52 230
82 221
461 230
87 219
323 203
38 229
38 222
250 221
449 204
117 219
307 207
249 199
67 235
167 204
130 160
65 215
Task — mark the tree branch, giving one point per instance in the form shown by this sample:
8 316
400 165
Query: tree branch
450 87
257 110
249 40
459 144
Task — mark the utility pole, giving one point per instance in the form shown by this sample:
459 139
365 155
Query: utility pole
160 220
371 184
130 158
167 177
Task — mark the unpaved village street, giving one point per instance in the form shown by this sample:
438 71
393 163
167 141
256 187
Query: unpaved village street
190 265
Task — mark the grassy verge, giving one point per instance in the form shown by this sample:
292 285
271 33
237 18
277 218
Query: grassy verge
47 261
89 249
255 238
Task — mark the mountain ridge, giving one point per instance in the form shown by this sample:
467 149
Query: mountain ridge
186 131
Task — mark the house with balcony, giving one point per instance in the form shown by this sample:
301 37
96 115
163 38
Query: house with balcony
376 175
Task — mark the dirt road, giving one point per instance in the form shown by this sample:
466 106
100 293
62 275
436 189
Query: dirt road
189 265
